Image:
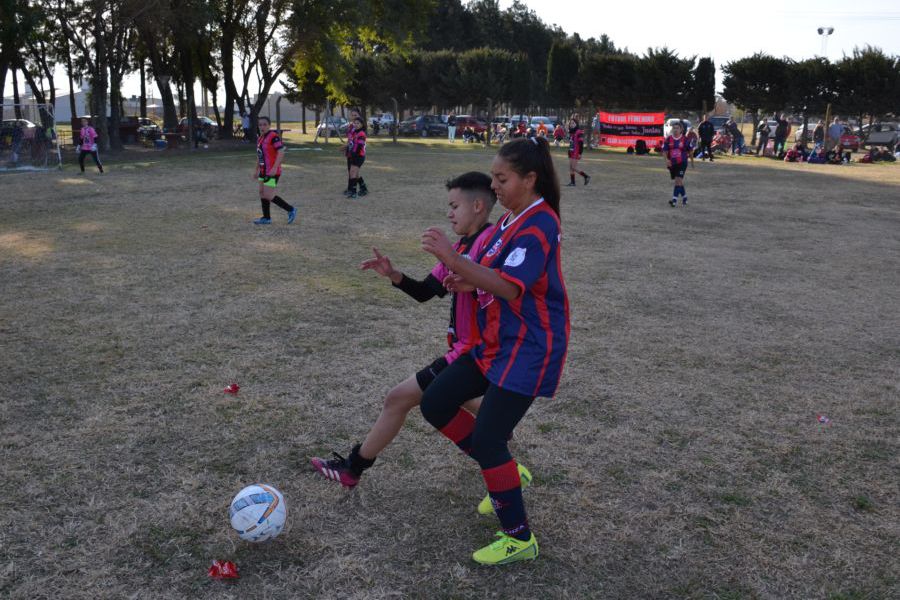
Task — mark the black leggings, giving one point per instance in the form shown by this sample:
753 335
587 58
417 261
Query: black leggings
93 153
500 412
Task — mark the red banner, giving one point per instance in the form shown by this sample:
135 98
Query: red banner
624 129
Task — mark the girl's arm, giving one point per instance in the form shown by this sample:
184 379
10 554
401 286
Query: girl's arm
435 242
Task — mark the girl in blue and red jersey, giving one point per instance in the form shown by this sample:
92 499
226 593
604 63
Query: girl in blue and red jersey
676 148
269 156
356 156
524 325
576 148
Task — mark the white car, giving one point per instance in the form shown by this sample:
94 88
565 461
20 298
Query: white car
667 128
382 119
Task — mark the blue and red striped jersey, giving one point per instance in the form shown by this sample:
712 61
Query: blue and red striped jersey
524 341
677 148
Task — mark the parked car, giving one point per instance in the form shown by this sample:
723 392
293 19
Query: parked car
667 127
463 121
881 134
381 120
547 121
849 140
335 126
207 124
515 119
424 125
148 129
26 128
718 122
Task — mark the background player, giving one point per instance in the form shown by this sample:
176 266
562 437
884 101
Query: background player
351 133
88 145
524 326
356 156
270 154
576 148
676 148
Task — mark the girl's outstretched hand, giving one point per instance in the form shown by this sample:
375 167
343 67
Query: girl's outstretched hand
381 264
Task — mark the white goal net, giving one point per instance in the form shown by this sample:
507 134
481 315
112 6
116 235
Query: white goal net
28 138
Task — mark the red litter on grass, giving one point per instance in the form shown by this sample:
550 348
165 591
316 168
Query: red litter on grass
232 388
824 420
223 569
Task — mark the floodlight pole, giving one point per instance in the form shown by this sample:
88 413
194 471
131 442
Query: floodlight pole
825 32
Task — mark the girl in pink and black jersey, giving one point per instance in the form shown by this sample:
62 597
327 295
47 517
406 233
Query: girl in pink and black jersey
88 145
352 130
676 148
576 149
356 156
471 199
524 325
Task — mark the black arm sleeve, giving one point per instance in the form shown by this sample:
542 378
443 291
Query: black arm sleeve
422 290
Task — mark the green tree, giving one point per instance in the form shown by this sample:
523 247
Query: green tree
562 72
867 83
664 81
811 88
704 78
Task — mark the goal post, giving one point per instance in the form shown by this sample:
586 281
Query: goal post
29 140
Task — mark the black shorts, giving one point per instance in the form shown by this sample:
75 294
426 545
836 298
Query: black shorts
677 169
355 161
428 374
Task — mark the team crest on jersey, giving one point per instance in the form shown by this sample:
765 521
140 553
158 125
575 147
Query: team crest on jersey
515 258
496 247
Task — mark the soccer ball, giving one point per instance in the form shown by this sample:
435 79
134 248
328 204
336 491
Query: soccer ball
257 513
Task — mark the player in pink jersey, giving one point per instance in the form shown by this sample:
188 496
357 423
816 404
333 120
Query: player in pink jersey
88 145
470 199
576 149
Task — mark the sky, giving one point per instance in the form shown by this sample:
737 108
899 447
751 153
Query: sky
729 31
725 32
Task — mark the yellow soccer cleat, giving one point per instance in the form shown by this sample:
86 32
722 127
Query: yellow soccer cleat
486 508
507 549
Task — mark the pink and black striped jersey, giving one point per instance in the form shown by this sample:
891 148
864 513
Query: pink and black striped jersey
524 341
356 143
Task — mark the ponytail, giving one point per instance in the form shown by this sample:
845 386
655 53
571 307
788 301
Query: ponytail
532 155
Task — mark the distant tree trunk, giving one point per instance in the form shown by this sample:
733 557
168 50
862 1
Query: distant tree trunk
100 84
143 86
73 110
16 99
303 118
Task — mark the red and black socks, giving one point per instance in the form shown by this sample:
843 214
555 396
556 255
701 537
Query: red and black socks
505 489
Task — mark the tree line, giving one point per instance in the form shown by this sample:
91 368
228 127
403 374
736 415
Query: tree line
423 53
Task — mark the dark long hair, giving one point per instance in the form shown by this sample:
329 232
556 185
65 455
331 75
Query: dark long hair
532 155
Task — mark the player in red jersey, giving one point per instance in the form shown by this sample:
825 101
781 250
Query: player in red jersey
270 155
470 199
576 149
524 326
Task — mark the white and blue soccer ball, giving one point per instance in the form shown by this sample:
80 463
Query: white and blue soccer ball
258 512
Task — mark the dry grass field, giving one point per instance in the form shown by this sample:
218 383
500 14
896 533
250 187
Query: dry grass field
682 457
